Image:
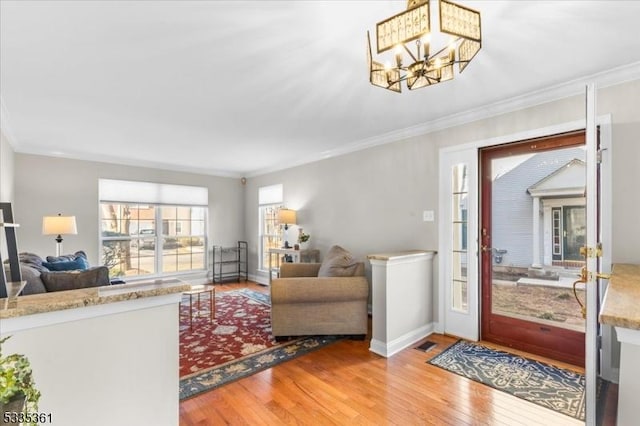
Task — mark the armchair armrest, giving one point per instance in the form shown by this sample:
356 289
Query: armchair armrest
319 289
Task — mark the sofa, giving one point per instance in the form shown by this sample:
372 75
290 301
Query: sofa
68 272
328 298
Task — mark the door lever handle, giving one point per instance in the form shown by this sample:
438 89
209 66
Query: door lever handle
485 248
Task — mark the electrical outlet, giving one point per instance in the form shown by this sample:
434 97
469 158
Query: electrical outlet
428 216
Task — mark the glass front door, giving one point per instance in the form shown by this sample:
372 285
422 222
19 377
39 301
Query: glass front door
531 192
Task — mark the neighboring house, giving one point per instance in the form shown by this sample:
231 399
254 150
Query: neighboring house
544 221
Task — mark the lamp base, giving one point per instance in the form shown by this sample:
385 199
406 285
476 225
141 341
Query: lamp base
58 246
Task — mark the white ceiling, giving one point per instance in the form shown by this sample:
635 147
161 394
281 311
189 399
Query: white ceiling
239 88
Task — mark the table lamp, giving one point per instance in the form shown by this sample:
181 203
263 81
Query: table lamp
59 225
286 217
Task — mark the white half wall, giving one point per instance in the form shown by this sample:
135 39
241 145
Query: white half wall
114 369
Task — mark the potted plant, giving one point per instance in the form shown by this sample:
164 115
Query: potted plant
302 237
17 388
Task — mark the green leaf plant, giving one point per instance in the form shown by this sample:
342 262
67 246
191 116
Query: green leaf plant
16 379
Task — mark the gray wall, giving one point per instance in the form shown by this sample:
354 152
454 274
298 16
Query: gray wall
46 186
372 200
7 159
369 201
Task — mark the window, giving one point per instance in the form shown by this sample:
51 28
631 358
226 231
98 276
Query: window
557 229
460 195
269 202
152 238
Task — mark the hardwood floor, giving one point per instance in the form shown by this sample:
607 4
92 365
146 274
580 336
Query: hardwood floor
345 383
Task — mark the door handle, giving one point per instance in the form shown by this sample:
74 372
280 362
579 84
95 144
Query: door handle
485 248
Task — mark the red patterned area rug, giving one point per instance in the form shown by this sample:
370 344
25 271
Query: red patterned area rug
236 344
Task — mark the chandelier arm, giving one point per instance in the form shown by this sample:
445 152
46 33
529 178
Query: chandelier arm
410 53
400 80
439 52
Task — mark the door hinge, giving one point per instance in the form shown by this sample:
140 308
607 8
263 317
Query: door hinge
599 155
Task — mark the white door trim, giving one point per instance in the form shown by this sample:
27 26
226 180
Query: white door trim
464 323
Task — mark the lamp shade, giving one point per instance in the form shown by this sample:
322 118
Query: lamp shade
59 225
287 216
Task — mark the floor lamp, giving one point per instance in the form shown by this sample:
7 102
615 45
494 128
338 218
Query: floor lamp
59 225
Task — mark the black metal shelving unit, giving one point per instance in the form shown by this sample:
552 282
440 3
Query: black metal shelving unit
230 263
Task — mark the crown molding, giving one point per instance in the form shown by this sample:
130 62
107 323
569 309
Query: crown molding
575 87
120 161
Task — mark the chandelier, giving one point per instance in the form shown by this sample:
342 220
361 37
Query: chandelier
459 35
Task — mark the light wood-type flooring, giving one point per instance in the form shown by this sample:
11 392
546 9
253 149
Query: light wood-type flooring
346 384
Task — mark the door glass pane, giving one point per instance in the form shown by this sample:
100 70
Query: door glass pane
537 229
459 296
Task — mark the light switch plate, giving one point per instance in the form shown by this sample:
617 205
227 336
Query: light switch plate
428 216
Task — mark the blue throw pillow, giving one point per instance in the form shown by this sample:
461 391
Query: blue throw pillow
71 265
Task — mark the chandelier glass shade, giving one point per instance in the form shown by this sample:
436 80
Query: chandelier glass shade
412 33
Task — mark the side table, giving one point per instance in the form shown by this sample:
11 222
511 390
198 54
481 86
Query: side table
208 291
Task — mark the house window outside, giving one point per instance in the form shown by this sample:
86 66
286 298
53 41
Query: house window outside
270 200
132 244
141 239
557 230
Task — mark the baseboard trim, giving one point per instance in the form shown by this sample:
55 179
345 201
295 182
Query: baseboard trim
393 347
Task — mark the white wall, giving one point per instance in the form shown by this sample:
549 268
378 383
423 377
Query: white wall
48 185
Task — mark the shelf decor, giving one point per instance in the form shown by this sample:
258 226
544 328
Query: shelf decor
230 263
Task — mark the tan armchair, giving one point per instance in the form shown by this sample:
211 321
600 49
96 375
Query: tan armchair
304 304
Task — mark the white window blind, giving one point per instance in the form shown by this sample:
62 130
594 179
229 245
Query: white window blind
270 194
152 193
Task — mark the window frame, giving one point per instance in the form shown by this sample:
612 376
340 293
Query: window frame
158 235
270 196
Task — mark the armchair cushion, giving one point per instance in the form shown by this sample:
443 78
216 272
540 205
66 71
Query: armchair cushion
292 270
68 257
31 275
338 263
67 280
67 265
32 260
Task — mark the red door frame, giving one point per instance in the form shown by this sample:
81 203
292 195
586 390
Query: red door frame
549 341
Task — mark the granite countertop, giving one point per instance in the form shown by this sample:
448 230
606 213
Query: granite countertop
61 300
620 307
399 254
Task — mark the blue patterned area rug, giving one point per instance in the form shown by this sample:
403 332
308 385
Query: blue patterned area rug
218 375
555 388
